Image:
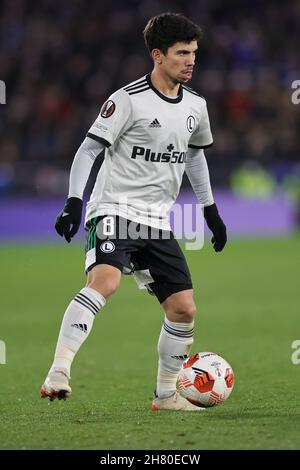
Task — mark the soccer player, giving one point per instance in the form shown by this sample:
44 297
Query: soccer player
152 131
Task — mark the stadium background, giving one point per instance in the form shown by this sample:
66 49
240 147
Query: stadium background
60 60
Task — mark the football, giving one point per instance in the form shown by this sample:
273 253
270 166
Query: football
205 379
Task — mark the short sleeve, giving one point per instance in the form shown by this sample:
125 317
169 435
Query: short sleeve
115 118
202 136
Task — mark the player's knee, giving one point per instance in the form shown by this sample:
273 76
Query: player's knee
105 279
106 288
185 312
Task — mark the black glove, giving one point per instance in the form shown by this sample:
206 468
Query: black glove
70 215
217 226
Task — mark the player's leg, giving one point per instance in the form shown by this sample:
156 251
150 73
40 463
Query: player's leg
103 267
175 340
102 281
173 288
174 344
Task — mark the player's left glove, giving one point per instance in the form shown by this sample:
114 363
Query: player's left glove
217 226
70 215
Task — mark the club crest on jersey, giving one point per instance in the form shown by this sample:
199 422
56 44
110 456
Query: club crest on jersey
107 109
190 123
107 246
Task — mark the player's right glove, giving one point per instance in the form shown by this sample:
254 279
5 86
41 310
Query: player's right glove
70 215
217 226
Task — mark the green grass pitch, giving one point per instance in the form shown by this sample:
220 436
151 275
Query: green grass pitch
248 312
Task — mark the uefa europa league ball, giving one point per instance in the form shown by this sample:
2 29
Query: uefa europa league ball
205 379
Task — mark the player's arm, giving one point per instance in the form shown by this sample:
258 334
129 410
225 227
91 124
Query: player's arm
198 174
115 118
80 172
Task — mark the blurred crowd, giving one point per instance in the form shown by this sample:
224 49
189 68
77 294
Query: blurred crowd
60 60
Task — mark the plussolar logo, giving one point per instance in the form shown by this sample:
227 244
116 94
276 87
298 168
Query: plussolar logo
164 157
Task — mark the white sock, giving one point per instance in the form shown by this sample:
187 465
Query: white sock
174 345
76 326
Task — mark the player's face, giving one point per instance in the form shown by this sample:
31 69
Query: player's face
179 61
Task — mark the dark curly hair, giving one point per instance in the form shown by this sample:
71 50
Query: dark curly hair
162 31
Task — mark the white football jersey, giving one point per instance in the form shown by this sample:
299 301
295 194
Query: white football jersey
147 135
